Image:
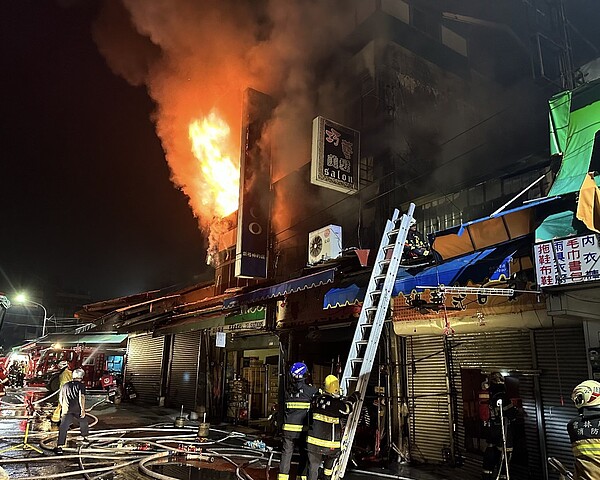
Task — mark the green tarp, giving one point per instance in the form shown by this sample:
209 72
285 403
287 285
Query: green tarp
574 121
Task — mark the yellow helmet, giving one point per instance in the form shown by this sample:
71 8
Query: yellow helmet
586 394
332 385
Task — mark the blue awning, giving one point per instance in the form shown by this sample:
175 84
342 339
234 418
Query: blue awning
291 286
342 297
476 267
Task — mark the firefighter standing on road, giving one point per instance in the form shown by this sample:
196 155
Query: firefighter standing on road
584 430
325 431
65 376
72 400
298 396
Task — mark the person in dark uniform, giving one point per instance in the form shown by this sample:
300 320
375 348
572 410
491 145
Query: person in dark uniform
416 246
325 429
298 397
72 401
584 430
500 438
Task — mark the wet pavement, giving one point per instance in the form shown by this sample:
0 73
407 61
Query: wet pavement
127 438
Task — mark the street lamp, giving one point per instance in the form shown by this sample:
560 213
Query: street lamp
22 299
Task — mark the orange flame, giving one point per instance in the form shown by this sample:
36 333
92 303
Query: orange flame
211 145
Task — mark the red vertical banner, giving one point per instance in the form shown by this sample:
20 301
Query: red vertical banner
255 188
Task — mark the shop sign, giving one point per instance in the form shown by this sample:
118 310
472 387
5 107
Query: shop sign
255 183
432 305
240 327
220 339
567 261
335 156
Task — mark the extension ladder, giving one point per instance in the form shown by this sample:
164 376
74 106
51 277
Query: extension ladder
370 324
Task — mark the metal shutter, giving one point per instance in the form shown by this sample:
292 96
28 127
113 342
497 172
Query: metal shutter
144 366
183 380
429 429
562 369
508 350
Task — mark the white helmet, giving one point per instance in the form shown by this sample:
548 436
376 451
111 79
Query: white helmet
63 364
586 394
413 222
78 374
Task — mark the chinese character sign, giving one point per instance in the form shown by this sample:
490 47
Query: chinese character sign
335 156
568 260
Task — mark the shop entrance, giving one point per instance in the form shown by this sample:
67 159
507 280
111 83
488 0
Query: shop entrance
253 385
475 410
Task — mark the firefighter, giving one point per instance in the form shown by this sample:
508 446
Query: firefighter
499 442
325 430
72 400
584 430
415 246
66 375
3 381
298 396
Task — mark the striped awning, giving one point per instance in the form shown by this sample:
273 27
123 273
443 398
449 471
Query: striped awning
281 289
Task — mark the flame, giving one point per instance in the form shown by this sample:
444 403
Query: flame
211 145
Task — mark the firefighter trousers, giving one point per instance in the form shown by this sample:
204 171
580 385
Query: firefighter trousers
287 452
326 455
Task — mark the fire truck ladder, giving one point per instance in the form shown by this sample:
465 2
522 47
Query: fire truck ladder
370 324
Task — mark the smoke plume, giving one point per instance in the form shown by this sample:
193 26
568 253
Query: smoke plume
197 57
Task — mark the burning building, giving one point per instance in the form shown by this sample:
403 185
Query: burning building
419 107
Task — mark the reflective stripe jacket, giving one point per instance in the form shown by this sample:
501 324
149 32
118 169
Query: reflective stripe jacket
584 432
297 406
325 429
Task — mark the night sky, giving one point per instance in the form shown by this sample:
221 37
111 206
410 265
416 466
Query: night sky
86 201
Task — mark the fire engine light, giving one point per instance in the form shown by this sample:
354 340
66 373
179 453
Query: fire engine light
56 346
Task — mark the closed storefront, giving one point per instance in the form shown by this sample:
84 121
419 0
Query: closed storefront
561 358
145 366
540 368
428 399
183 377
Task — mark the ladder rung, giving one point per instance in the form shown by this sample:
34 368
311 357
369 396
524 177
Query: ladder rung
380 277
375 292
362 342
385 261
395 231
389 247
357 360
371 309
353 379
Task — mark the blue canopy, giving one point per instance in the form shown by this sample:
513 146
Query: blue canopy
291 286
342 297
487 264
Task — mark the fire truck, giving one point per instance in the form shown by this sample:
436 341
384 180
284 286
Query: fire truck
90 360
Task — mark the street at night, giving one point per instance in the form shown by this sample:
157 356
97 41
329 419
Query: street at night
300 239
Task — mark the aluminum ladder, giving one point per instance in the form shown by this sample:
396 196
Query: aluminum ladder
370 324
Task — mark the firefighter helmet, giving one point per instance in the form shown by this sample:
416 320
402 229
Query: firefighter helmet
586 394
63 364
496 378
78 374
298 370
413 222
332 385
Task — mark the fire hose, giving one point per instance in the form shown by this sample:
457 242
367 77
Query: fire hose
122 448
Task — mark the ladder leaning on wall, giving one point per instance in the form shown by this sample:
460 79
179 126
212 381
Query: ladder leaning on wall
370 324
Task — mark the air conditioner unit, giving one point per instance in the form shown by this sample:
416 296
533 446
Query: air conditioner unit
324 244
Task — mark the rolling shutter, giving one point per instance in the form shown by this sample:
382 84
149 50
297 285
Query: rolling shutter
429 429
144 366
183 381
562 359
